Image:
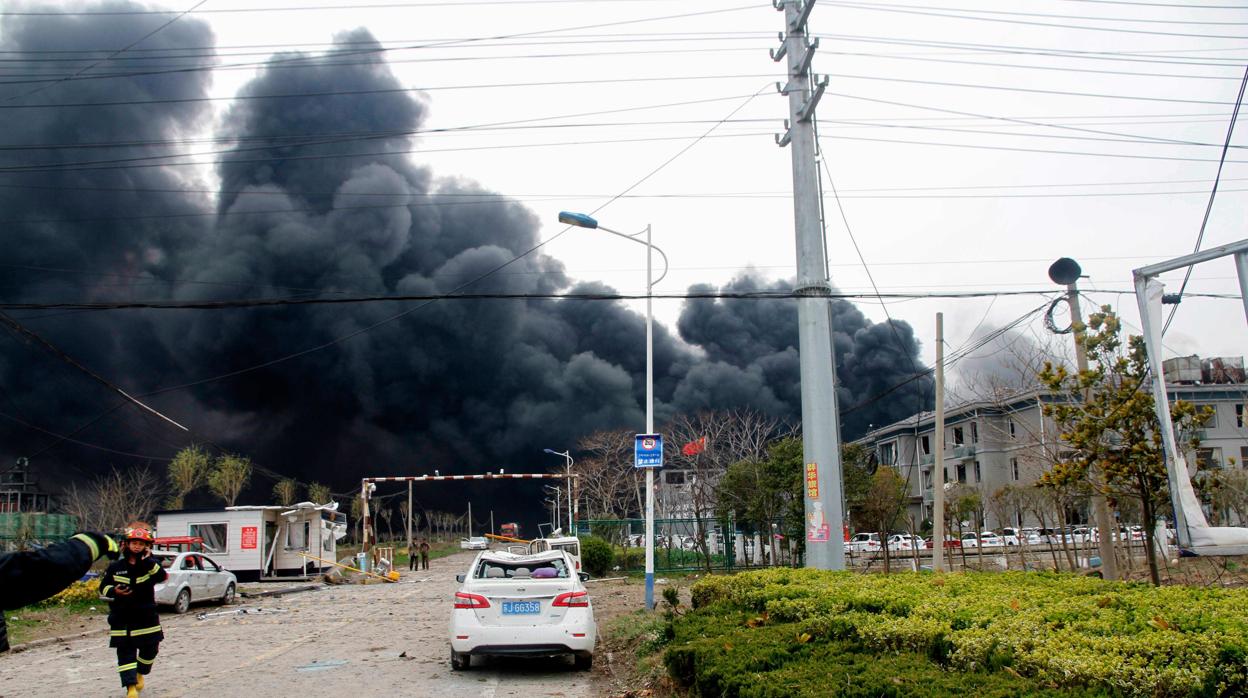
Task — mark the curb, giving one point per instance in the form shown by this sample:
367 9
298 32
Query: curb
279 592
54 640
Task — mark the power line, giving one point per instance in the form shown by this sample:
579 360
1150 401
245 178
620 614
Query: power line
1213 193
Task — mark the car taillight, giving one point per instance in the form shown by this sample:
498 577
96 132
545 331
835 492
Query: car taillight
465 600
572 599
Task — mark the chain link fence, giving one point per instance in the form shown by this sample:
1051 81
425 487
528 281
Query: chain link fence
688 545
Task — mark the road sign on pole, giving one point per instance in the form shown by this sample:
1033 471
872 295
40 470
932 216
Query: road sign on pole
648 451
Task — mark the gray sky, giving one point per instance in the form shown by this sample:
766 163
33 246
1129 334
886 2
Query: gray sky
944 183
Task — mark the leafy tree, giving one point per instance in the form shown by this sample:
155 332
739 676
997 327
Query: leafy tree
286 491
188 471
319 494
881 507
1108 423
230 474
766 491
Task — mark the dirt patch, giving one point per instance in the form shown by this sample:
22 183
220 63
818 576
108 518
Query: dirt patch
29 624
627 663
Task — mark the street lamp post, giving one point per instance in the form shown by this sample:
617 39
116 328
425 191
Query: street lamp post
567 456
554 520
581 220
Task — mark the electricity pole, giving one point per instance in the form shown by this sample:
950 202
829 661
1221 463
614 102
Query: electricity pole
821 439
409 517
938 457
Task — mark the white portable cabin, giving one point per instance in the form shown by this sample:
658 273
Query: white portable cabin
262 542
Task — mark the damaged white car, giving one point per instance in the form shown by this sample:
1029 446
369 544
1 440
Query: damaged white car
193 577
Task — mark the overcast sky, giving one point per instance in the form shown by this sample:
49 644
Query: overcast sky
945 184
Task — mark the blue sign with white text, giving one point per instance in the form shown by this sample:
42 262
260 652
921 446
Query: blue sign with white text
648 451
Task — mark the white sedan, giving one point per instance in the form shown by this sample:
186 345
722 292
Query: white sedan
193 577
522 605
474 543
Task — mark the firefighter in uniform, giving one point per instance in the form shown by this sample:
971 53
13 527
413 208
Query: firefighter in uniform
29 576
133 624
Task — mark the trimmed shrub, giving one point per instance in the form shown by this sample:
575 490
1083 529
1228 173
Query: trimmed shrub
761 634
596 555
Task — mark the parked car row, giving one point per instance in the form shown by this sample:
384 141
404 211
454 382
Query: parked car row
1008 537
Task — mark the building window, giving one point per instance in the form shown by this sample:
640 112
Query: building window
1014 469
888 453
1207 458
1239 415
926 444
214 535
674 477
1243 456
957 436
1212 423
974 432
978 477
297 535
927 479
962 472
1013 429
945 470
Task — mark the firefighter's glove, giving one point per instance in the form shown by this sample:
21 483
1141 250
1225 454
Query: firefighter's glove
100 544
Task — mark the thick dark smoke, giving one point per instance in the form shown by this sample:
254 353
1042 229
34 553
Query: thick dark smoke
309 206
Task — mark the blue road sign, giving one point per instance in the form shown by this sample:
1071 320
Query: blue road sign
648 451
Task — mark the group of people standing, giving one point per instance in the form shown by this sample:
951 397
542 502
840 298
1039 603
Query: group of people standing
418 553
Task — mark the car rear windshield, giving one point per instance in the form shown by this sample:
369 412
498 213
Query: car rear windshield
527 569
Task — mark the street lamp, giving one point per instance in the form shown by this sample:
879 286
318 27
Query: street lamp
567 455
581 220
554 489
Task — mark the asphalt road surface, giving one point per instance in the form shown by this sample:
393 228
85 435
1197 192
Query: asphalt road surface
375 640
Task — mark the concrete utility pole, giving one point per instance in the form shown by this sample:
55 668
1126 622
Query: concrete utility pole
821 438
470 518
409 516
938 455
1100 506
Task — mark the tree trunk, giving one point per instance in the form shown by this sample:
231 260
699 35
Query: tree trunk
1061 528
1149 536
884 546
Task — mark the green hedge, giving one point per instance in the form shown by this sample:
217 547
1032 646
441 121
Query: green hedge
975 634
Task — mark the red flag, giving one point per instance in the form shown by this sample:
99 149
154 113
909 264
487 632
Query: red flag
695 447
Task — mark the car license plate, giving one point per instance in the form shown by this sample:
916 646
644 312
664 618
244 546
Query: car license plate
521 608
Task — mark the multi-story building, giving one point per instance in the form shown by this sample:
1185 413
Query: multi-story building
1003 441
19 491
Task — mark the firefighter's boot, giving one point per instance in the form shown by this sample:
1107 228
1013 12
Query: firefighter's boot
138 684
132 691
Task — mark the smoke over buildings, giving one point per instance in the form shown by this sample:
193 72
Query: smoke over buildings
324 194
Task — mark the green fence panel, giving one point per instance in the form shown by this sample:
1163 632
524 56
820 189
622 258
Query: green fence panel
687 545
36 527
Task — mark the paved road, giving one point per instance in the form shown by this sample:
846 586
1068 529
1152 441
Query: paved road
343 638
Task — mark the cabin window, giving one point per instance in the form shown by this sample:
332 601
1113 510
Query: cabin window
214 535
297 535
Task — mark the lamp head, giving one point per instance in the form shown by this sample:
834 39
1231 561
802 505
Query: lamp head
547 450
579 220
1065 271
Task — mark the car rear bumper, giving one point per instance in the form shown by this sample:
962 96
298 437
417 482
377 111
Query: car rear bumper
577 633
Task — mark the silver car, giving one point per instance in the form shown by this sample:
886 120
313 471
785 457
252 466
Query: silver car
193 577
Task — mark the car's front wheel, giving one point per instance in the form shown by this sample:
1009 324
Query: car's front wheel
460 661
228 597
584 661
183 604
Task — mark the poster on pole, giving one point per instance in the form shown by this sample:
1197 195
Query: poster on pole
648 451
817 528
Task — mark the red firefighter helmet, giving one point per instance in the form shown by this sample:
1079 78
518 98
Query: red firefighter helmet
139 532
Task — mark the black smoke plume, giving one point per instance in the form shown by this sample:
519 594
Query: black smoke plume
321 194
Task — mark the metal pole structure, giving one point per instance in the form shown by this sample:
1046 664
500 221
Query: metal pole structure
649 419
470 518
1241 269
571 529
492 531
938 457
364 546
409 517
821 439
1100 505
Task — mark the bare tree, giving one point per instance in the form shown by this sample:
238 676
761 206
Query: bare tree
319 494
188 471
110 502
881 508
286 491
384 513
612 486
230 474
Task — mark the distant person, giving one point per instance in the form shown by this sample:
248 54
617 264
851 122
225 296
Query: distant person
413 557
424 554
29 576
133 624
